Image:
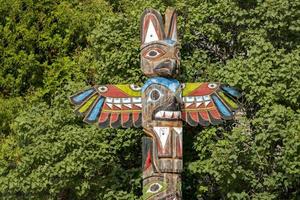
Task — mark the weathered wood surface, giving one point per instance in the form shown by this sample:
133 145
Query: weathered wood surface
160 106
160 54
162 149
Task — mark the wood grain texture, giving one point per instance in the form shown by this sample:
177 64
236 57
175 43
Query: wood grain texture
160 106
162 149
159 45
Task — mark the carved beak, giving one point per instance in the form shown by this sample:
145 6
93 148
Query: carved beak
166 68
170 113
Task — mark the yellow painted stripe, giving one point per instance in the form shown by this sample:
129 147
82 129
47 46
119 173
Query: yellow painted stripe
127 90
190 87
87 104
228 100
198 109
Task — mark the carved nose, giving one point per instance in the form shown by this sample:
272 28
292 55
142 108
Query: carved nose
177 102
166 68
174 105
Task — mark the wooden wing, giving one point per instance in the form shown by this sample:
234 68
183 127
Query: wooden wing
110 105
208 103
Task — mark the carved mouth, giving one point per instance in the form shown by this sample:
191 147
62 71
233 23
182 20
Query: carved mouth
171 113
168 115
165 68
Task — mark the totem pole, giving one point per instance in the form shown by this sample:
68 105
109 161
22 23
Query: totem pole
159 106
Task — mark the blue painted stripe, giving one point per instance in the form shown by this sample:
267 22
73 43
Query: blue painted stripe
169 83
231 91
170 42
96 110
81 97
222 108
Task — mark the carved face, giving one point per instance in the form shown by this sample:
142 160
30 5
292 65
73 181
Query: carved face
159 49
161 101
160 58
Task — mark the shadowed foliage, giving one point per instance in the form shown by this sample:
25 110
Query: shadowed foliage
51 48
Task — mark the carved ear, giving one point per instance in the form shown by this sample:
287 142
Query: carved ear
151 26
171 24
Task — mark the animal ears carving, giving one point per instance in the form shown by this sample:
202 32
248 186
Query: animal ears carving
153 28
171 24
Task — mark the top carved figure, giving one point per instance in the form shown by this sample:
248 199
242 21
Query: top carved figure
160 54
126 105
159 106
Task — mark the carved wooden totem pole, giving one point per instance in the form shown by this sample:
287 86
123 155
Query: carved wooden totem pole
160 106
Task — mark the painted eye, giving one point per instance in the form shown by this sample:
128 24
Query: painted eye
135 87
154 188
182 85
102 89
212 85
154 95
153 53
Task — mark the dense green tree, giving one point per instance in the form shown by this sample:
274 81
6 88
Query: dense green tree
50 49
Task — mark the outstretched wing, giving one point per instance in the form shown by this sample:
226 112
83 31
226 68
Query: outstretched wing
110 105
208 103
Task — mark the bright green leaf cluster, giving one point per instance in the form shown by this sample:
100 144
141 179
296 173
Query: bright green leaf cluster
50 49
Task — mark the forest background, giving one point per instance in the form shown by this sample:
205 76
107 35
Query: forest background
52 48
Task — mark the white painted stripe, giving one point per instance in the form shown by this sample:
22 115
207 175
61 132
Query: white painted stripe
163 133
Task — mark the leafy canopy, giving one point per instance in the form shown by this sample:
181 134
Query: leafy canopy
50 49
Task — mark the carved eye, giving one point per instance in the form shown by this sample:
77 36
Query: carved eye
153 53
102 89
154 188
212 85
135 87
154 95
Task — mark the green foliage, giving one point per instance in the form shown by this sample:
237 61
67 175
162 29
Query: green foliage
50 49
